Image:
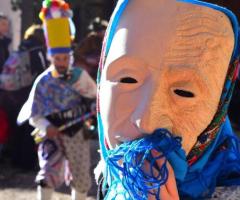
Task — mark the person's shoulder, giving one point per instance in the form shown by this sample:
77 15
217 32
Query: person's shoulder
82 72
43 77
77 71
30 45
76 74
25 45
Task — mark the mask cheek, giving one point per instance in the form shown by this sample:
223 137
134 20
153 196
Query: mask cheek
117 107
108 96
121 125
190 123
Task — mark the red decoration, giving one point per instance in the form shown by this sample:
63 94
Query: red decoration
44 10
66 6
55 4
4 127
191 161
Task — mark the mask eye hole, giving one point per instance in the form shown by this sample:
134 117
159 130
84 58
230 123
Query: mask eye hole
184 93
128 80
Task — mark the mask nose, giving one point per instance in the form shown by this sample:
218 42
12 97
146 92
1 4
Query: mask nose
153 112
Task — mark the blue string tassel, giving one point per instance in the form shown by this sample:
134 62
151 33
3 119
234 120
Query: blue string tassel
139 166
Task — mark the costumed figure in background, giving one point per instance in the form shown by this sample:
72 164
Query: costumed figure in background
18 74
34 42
164 85
87 52
56 108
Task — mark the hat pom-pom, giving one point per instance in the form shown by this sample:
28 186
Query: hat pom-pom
55 13
55 9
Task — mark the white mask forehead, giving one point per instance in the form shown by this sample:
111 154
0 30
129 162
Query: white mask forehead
147 29
135 28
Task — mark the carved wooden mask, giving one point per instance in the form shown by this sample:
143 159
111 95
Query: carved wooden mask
165 69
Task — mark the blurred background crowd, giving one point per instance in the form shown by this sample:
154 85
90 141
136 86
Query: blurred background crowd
23 57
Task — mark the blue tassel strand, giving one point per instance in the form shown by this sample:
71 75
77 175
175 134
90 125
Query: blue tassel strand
138 163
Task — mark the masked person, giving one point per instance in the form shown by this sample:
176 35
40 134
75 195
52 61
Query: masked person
56 100
166 76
